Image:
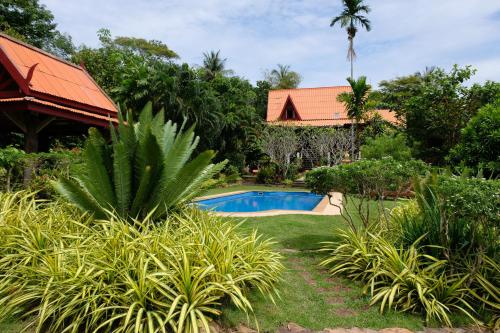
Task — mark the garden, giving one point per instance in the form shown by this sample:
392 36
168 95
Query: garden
102 232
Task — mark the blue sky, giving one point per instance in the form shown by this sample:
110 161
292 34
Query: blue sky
255 35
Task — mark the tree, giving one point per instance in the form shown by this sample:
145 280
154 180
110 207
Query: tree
33 23
350 18
262 91
214 65
147 169
479 146
356 103
283 78
280 143
435 107
222 109
146 48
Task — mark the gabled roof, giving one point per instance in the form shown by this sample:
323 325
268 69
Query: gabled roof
315 106
48 78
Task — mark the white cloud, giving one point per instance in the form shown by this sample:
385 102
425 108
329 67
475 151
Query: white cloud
258 34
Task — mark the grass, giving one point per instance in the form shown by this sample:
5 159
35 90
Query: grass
309 297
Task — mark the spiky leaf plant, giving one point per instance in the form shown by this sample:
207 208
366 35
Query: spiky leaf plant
64 274
148 167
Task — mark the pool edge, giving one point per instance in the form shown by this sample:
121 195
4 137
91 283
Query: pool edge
322 208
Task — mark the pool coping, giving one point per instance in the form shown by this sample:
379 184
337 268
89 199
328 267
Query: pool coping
322 208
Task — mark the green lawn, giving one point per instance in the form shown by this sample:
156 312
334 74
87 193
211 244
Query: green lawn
309 296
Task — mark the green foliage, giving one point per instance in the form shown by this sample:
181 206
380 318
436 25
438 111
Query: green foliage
46 167
268 174
364 180
408 279
460 215
33 23
283 78
78 274
434 106
455 219
222 108
351 18
386 145
365 177
144 47
214 65
356 101
479 146
148 169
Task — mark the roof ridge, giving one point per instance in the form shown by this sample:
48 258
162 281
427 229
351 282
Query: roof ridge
39 50
325 87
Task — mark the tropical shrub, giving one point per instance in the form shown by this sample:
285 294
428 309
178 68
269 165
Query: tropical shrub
409 279
386 145
364 180
147 168
45 166
366 177
268 174
479 145
460 215
65 271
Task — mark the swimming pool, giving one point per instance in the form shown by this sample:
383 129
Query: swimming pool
254 201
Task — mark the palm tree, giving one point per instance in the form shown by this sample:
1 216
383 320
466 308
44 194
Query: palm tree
283 78
356 103
147 169
349 19
214 64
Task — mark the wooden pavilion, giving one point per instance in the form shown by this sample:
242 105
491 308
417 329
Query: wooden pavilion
44 96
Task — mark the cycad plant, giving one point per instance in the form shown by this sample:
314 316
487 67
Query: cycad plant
147 168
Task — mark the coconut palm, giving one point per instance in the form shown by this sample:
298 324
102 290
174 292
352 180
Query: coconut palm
350 18
147 168
356 102
283 77
214 64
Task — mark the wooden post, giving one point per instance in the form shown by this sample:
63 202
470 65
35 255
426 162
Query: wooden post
30 146
31 126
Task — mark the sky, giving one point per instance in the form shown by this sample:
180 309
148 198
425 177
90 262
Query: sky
256 35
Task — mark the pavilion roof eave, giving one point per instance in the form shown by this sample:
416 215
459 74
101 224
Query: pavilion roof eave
52 109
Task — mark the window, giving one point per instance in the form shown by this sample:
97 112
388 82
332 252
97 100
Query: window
336 115
290 113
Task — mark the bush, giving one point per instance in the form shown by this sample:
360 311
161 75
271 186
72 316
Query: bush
46 167
365 180
148 169
479 146
408 279
366 177
268 174
460 215
78 274
386 145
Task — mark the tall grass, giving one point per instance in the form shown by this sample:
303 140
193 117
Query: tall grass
68 273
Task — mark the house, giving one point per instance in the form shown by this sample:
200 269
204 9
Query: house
44 96
312 107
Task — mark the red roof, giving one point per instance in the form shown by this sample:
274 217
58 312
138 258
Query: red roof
51 79
314 107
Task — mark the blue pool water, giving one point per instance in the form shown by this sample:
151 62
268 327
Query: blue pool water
260 201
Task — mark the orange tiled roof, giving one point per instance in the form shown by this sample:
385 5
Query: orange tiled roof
45 76
314 106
